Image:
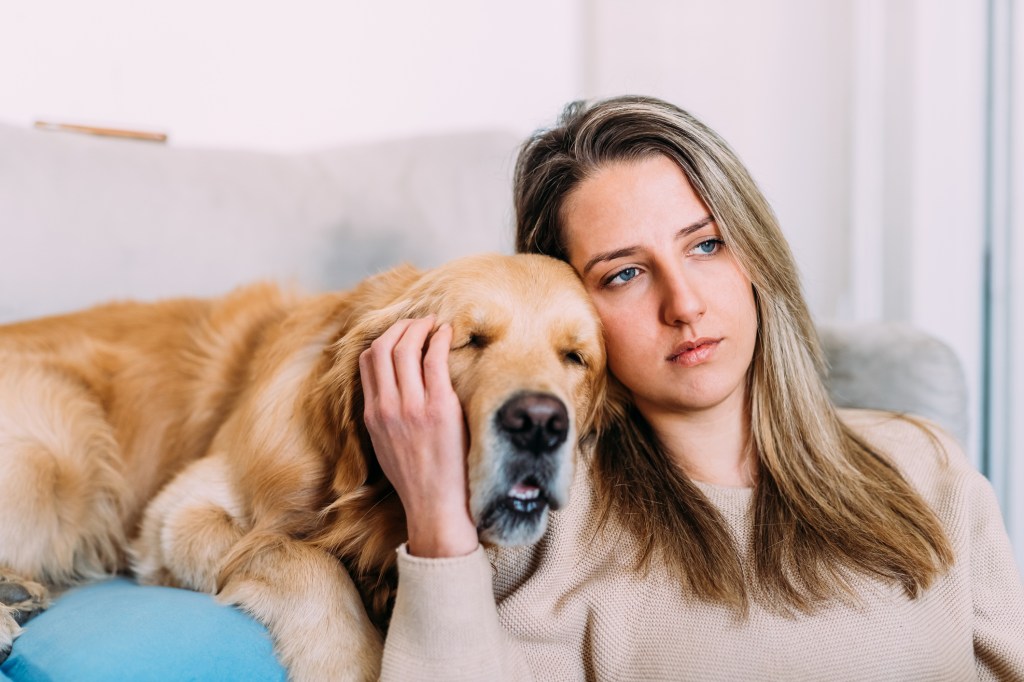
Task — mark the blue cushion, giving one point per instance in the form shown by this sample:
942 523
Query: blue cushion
119 630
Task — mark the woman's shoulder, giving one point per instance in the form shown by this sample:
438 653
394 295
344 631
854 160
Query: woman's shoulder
904 432
924 452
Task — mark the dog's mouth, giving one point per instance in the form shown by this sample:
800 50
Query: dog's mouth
527 498
519 516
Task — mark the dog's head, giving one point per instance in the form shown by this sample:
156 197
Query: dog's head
527 363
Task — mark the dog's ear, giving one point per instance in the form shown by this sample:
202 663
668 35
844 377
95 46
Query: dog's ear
607 402
338 398
334 401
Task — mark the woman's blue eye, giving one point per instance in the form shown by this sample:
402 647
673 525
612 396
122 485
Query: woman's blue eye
623 275
708 246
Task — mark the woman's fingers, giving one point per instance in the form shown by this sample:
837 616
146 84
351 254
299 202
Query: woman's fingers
407 357
391 367
436 378
405 377
376 365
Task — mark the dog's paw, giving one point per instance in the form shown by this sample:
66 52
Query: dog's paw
9 629
22 598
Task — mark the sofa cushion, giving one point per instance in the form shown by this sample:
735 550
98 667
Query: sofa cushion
118 630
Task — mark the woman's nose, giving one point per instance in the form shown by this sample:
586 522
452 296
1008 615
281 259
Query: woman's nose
682 300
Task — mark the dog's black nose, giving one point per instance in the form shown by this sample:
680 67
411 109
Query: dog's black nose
534 422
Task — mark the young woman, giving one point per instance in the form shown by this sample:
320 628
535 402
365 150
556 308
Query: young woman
730 523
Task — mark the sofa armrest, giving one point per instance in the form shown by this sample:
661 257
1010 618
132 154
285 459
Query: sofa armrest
895 366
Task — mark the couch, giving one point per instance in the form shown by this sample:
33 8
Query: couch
85 219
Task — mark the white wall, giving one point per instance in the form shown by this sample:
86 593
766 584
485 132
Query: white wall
279 75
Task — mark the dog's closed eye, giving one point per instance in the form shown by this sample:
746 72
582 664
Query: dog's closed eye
474 341
574 357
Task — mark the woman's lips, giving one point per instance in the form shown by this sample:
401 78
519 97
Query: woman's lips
694 352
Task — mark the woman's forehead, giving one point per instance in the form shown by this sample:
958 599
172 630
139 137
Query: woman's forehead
626 202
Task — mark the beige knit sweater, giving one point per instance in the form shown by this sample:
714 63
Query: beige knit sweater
572 608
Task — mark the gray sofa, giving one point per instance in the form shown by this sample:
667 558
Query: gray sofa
86 219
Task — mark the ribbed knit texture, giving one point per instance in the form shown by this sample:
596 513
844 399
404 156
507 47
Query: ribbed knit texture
573 608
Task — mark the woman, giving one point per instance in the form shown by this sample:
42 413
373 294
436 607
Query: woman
731 524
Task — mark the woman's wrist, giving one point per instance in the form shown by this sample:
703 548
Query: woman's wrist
441 539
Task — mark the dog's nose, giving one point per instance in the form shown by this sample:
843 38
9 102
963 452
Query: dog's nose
534 422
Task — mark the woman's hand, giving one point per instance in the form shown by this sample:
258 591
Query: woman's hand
419 434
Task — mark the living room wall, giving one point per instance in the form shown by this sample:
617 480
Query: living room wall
277 76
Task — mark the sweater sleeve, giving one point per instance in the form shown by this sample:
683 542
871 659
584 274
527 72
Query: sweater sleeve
445 623
997 593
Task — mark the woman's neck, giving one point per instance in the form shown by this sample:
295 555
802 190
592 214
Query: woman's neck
713 445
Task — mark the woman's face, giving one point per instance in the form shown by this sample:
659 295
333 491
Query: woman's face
679 314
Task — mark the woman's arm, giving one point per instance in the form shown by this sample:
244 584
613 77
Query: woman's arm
997 592
445 623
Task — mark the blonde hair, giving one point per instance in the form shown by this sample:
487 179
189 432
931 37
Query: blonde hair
825 503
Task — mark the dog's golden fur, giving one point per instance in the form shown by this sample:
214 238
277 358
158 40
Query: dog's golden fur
218 444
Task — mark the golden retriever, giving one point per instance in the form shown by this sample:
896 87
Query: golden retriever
218 445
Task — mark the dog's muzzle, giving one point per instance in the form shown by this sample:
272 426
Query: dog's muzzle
532 429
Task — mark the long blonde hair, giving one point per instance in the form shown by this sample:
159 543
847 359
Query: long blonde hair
825 502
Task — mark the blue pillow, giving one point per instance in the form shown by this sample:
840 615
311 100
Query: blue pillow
119 630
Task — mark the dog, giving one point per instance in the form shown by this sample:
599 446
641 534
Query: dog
218 445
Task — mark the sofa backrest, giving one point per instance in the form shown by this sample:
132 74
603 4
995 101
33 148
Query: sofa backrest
86 219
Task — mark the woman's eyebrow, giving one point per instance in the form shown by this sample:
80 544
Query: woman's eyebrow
689 229
630 250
